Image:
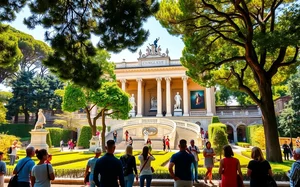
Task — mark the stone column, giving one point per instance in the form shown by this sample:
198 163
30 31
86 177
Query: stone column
185 97
168 96
123 81
159 98
139 95
208 102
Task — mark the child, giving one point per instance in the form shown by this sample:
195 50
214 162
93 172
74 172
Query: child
49 158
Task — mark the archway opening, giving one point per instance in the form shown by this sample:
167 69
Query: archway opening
241 133
230 134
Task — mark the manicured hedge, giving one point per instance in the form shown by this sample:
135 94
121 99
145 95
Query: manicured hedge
211 129
85 136
19 130
48 140
255 135
215 119
243 144
58 134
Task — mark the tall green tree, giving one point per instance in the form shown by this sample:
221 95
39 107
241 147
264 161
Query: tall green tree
243 45
111 101
4 97
70 24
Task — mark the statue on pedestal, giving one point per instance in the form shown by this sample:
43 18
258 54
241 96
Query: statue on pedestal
41 120
177 101
132 102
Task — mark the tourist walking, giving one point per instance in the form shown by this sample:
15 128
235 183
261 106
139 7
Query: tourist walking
130 141
168 143
164 143
182 161
126 135
13 153
2 170
129 165
294 173
145 167
208 154
24 167
109 168
90 166
194 150
115 135
42 173
149 144
286 150
230 169
259 169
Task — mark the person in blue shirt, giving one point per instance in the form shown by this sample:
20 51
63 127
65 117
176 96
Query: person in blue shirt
182 162
294 173
91 165
2 170
109 167
24 174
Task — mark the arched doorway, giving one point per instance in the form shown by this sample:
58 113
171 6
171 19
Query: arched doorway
230 134
241 133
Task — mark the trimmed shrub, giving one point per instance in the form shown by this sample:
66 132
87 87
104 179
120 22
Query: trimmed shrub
256 136
219 140
57 134
48 140
215 119
85 136
211 128
243 144
19 130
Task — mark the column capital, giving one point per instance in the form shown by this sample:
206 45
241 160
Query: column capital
168 78
185 77
158 78
139 80
123 80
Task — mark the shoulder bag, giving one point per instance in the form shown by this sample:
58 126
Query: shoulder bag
152 169
13 182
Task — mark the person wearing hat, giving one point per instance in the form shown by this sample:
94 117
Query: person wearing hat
2 170
91 166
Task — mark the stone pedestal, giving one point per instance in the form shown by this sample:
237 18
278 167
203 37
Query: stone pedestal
132 113
94 143
178 112
38 139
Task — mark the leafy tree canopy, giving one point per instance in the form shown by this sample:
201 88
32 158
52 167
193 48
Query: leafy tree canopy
242 45
70 24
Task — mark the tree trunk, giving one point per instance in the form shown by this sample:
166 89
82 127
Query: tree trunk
103 131
88 116
26 113
273 151
16 118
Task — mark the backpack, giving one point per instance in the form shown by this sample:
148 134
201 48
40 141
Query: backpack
124 165
9 150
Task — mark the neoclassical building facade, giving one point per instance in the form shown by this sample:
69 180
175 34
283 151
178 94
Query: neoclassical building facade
154 80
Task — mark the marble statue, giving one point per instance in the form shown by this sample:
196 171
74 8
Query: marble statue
41 120
153 103
146 134
132 101
177 99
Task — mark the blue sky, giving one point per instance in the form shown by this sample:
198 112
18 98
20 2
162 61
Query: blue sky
173 43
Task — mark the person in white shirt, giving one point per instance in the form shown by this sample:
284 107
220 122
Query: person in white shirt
145 167
194 150
13 154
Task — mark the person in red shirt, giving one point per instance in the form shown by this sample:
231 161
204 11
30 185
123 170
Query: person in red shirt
126 135
49 158
168 143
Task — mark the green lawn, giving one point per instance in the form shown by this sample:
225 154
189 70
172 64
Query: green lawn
72 164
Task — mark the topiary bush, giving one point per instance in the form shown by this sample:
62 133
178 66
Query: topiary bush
86 135
215 119
58 134
256 136
19 130
48 140
219 140
211 128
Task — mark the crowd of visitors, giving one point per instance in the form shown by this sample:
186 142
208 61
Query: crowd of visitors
109 171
